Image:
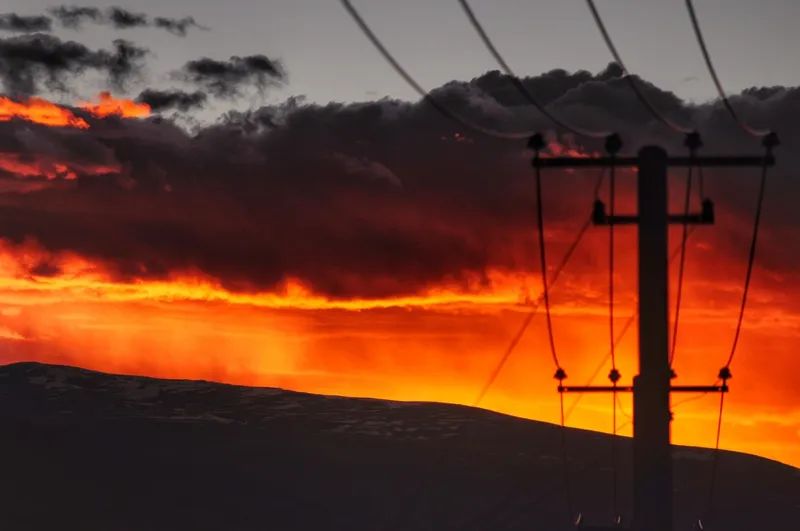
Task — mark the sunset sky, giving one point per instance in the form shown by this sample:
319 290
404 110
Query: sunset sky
173 206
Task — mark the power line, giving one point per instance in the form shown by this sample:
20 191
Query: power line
518 84
620 336
614 375
628 77
713 73
529 317
770 141
537 143
436 104
693 142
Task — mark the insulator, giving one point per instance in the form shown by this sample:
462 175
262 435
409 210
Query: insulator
614 375
599 212
613 143
725 374
560 374
771 140
536 142
708 211
693 141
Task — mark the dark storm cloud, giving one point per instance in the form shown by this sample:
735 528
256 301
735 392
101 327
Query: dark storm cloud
229 78
177 26
27 62
367 199
120 18
163 100
73 16
24 24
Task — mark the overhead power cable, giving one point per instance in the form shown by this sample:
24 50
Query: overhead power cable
629 77
519 85
435 103
498 368
713 73
620 336
694 143
770 141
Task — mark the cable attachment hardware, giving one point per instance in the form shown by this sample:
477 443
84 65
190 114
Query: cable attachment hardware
707 212
613 144
614 376
771 141
536 143
725 374
693 141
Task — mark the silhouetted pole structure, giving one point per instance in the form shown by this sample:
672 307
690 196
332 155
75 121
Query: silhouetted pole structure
652 459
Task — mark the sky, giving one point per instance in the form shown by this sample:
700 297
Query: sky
329 60
352 244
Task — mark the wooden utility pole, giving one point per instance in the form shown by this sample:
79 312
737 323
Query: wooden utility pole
652 459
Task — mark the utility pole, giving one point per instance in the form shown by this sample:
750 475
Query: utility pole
652 459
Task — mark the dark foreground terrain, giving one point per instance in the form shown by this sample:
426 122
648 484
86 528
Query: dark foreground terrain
87 451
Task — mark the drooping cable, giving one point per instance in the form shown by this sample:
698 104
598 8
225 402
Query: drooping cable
629 77
713 73
770 141
537 143
501 363
693 142
620 336
436 104
613 145
565 460
518 84
518 336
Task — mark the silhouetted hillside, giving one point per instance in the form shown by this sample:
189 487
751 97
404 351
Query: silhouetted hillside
94 452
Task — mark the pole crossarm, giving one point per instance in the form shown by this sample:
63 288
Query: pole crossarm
704 217
629 388
747 161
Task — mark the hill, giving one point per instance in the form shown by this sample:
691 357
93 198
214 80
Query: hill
88 451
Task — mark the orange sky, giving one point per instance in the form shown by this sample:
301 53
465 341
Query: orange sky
440 344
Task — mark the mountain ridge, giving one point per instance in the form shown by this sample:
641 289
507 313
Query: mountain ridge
241 458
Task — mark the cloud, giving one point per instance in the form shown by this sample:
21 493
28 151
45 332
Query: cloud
122 18
226 79
163 100
74 17
374 198
24 24
177 26
28 62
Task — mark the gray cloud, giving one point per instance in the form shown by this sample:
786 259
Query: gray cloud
229 78
120 18
29 62
177 26
163 100
24 24
73 17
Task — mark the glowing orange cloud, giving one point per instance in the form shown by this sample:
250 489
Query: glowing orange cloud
111 106
48 169
439 344
40 111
